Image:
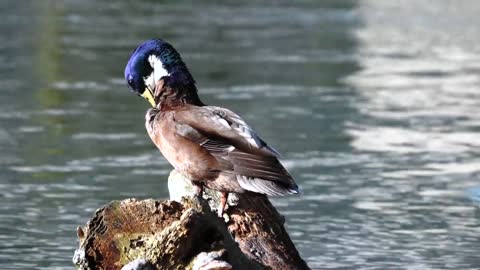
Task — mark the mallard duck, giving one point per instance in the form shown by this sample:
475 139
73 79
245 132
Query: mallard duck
211 146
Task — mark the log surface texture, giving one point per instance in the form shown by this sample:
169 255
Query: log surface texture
150 234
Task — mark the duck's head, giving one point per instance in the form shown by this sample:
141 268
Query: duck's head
152 61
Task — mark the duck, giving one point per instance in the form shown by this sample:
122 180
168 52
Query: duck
211 146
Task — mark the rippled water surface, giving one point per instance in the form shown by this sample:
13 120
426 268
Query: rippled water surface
375 106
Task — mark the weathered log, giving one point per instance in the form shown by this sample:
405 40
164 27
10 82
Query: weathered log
151 234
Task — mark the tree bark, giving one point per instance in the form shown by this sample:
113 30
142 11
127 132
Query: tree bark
150 234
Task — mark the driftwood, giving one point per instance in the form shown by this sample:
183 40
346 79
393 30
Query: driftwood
150 234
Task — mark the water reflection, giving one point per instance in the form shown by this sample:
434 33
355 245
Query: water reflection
419 123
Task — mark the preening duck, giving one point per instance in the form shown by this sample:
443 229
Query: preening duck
211 146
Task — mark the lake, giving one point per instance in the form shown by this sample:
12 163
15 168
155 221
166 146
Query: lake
375 106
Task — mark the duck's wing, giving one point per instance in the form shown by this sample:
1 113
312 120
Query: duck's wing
237 147
221 124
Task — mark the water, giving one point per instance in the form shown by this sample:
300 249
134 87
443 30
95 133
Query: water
374 104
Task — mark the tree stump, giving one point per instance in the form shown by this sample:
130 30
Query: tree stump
185 233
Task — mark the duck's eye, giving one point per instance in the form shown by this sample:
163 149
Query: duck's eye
130 82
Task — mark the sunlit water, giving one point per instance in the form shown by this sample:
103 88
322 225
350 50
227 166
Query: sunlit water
374 105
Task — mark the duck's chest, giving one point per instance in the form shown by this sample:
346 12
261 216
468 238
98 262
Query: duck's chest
184 155
161 129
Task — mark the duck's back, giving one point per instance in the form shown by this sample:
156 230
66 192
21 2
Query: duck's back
215 146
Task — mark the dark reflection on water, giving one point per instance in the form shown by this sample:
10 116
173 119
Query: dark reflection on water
374 105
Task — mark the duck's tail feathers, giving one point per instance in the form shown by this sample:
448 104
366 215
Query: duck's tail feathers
266 187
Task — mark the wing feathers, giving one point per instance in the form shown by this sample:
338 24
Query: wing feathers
217 147
237 148
264 187
268 168
224 125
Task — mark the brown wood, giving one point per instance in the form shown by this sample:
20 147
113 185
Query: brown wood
188 235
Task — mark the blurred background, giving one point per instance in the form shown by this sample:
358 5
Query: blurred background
375 106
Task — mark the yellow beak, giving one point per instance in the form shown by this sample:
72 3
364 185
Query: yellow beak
149 96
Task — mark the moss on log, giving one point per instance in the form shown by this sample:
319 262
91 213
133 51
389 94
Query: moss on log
150 234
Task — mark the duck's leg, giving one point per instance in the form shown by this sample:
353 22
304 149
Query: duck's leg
223 203
197 189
